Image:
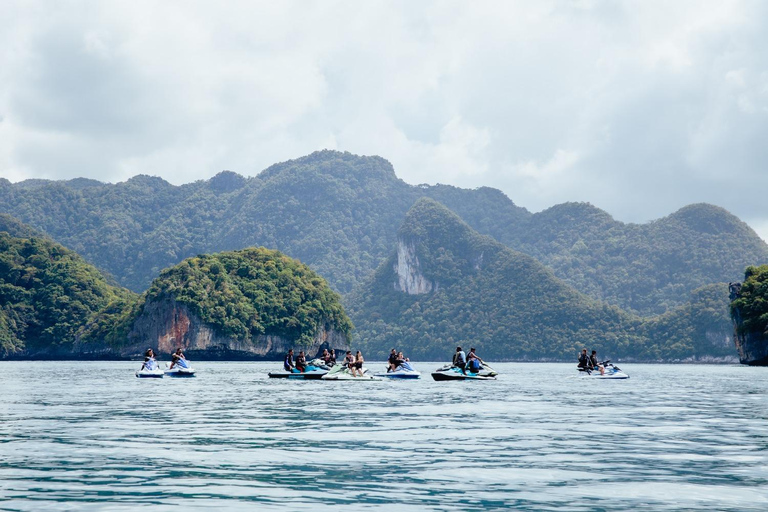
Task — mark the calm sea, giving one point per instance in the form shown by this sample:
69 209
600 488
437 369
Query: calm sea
90 436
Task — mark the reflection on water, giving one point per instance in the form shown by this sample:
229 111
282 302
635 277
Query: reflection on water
90 436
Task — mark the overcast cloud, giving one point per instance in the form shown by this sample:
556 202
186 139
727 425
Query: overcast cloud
637 107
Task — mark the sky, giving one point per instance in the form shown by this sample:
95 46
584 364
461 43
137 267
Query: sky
639 108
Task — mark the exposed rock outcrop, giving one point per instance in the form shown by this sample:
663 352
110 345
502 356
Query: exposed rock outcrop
408 270
167 324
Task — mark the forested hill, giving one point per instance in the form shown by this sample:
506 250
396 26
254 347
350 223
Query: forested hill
51 298
339 214
334 211
250 303
445 285
644 268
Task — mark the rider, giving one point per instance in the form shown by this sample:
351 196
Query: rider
595 364
178 359
149 360
392 361
349 359
288 361
357 366
460 360
301 361
584 360
473 361
331 358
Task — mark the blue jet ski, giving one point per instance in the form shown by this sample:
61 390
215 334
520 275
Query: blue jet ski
403 371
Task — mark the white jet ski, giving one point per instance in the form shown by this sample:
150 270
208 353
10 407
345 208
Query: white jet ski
180 370
611 372
450 372
315 369
340 372
403 371
150 370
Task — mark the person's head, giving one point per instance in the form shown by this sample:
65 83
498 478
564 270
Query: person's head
400 354
458 349
290 351
333 352
394 351
584 351
349 352
301 352
472 349
148 353
357 353
594 352
325 351
178 350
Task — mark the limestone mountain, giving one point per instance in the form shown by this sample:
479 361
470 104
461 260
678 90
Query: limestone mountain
444 285
339 214
252 303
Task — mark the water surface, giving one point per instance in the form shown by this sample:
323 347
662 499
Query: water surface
90 436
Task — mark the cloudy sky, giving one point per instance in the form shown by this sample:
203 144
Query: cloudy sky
637 107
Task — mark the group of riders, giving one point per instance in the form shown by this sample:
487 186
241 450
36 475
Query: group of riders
177 359
328 358
464 362
590 362
470 361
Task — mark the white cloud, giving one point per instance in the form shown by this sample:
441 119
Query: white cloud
637 107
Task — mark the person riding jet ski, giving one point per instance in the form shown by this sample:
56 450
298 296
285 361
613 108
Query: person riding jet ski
474 363
301 362
288 364
149 360
178 359
460 360
584 360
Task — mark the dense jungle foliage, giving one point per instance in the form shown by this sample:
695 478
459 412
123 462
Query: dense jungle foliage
51 298
510 306
339 214
751 305
247 293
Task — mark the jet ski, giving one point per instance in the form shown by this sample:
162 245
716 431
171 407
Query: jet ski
611 372
150 370
340 372
450 372
403 371
180 369
315 369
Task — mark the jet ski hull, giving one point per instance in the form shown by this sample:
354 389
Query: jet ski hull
440 376
180 373
301 376
611 372
150 374
400 375
596 375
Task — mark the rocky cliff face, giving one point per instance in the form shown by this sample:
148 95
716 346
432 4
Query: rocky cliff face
753 348
408 270
166 325
751 345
